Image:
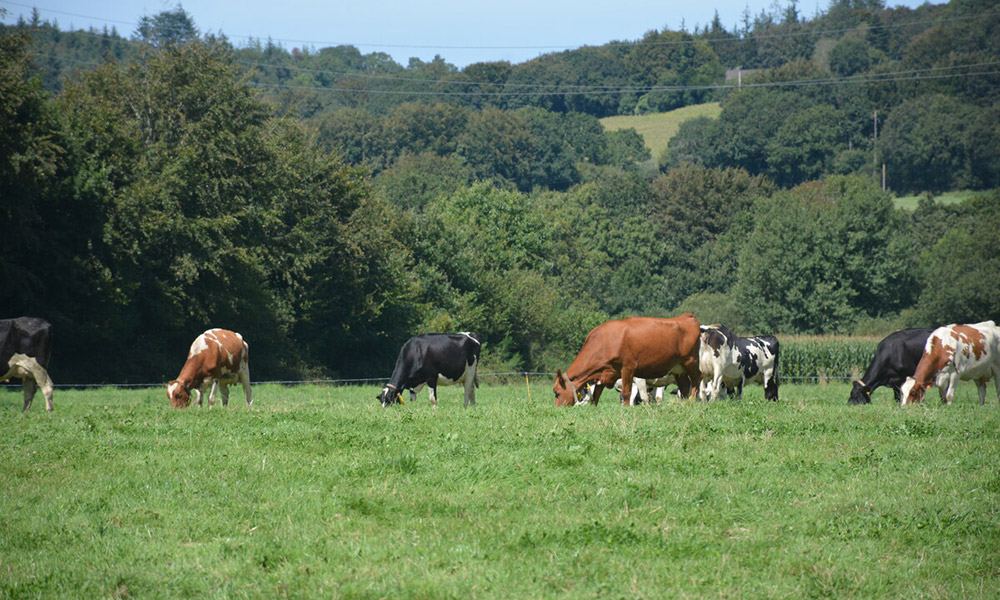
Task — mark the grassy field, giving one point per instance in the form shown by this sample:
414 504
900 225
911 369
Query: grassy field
658 128
320 492
910 202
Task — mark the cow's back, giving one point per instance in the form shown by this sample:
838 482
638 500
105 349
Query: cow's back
31 336
650 345
220 352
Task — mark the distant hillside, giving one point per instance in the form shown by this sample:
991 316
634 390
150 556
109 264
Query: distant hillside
657 128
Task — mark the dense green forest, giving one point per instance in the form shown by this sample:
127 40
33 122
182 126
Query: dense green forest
328 204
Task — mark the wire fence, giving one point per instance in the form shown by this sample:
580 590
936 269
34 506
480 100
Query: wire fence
506 377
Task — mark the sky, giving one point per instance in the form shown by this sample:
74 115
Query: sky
461 32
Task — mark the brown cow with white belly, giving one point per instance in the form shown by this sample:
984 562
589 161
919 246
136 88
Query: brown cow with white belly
217 357
644 347
953 353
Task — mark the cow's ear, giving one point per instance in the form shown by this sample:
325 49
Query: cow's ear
559 378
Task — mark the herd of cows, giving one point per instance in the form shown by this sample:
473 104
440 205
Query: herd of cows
631 355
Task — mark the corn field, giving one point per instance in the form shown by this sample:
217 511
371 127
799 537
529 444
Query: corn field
822 357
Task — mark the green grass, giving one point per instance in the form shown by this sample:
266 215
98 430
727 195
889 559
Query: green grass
910 202
320 492
657 129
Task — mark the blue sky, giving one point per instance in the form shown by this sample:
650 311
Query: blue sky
460 32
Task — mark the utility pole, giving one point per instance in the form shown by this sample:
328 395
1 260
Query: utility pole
875 139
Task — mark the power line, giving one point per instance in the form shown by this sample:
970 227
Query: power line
625 90
576 89
732 38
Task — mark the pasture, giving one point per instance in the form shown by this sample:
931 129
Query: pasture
320 492
657 128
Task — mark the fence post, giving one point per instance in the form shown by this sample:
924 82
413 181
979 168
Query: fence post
527 382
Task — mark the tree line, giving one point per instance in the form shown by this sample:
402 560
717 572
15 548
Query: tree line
159 194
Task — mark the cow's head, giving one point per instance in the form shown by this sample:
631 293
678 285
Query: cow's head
390 395
178 394
566 393
860 394
912 391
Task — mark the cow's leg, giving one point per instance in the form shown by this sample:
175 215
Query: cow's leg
28 369
643 389
739 388
996 384
470 389
196 392
897 393
433 391
626 386
211 393
224 389
245 381
770 387
598 388
29 393
981 388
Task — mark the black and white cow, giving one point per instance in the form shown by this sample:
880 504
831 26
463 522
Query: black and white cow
434 359
729 361
25 347
895 359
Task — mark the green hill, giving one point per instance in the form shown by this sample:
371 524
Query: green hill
658 128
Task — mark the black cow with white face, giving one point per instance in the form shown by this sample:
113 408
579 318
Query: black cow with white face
895 359
25 348
434 359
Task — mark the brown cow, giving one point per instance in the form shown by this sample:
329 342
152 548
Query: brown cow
217 356
643 347
953 353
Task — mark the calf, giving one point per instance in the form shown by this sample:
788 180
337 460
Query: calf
640 389
434 359
895 359
953 353
25 347
217 357
732 361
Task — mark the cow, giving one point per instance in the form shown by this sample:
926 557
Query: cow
644 347
718 353
732 361
434 359
25 348
953 353
896 358
218 357
640 390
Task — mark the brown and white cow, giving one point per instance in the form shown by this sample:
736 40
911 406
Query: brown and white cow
644 347
217 357
953 353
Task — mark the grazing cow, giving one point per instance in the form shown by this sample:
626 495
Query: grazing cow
718 353
895 359
434 359
25 347
953 353
643 347
217 358
640 390
733 361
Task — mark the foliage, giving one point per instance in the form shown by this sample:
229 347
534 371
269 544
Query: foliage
822 255
958 272
938 143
